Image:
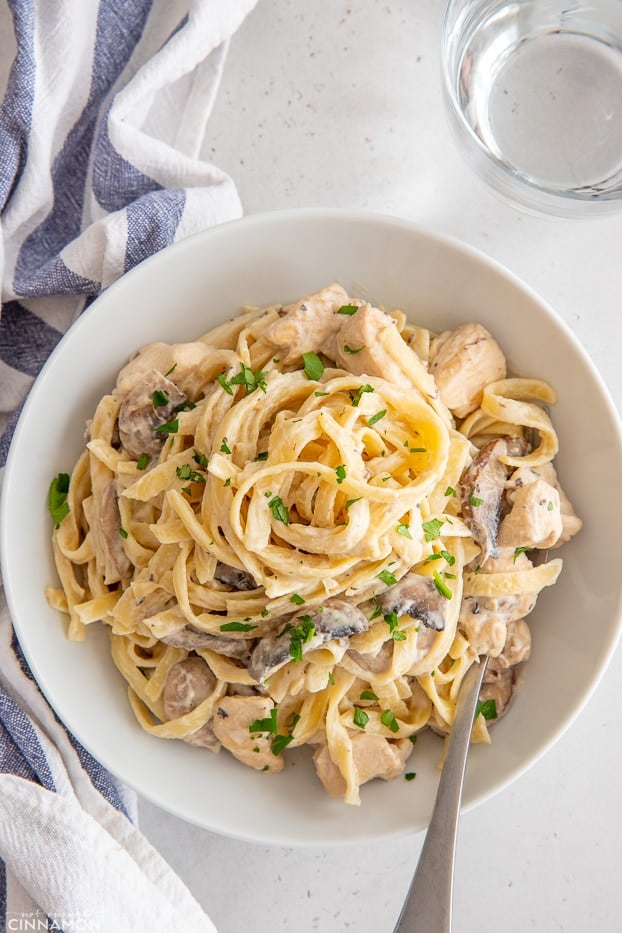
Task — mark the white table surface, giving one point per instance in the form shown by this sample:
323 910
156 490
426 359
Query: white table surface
326 103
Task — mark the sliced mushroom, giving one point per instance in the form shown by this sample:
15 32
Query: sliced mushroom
499 686
190 638
141 413
158 600
335 620
374 663
116 562
417 596
231 576
189 682
481 490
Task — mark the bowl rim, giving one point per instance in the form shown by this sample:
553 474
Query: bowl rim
302 215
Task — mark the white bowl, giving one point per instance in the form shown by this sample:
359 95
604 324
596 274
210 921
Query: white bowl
182 292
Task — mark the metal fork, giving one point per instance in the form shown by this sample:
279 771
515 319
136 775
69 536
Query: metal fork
428 904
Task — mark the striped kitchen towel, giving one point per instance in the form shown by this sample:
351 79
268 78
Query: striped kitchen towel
101 130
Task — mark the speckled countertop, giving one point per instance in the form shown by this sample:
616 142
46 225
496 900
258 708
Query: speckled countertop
326 103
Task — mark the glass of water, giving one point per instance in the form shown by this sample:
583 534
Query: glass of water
534 89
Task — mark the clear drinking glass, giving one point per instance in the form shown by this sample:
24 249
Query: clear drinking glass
534 89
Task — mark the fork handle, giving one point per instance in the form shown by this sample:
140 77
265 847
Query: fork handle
428 904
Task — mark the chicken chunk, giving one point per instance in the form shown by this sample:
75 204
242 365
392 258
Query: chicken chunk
309 324
374 756
180 359
358 349
488 608
517 647
463 362
234 716
486 632
535 518
571 524
363 342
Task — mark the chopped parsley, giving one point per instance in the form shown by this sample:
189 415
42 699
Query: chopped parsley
368 695
441 586
475 501
432 529
450 491
225 383
487 708
143 462
300 635
265 725
279 742
296 599
356 398
262 456
377 611
224 447
518 551
279 510
340 472
313 366
57 498
351 502
246 377
352 350
160 399
348 309
375 418
392 621
201 459
387 577
123 532
237 627
169 427
187 473
404 530
388 719
331 678
360 717
410 775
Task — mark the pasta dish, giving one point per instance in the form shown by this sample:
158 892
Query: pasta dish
305 526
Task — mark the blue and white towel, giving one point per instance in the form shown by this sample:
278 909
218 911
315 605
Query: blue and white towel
101 129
